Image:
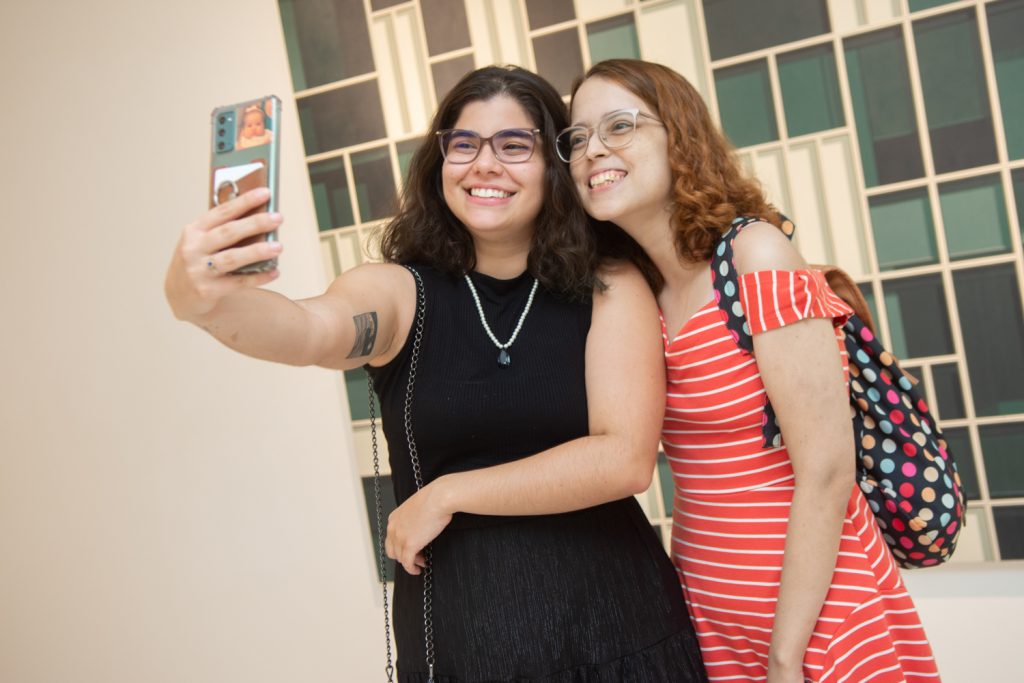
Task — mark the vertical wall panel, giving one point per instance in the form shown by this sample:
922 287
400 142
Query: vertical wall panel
349 250
806 208
588 9
411 51
507 46
329 254
878 11
843 205
770 170
845 14
390 79
401 59
670 35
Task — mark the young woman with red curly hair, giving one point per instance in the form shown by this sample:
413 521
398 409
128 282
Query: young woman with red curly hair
784 570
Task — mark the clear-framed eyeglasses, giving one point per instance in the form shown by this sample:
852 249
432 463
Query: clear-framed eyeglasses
616 130
510 146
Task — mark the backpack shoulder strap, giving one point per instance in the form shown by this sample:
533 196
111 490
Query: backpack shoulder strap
727 285
727 294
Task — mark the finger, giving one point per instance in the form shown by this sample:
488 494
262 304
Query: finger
234 258
238 206
410 566
221 285
421 560
231 233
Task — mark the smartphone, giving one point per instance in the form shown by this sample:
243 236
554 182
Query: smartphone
246 139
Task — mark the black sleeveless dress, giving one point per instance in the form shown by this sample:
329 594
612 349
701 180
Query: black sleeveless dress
581 597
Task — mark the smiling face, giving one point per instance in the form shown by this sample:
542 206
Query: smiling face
630 186
495 200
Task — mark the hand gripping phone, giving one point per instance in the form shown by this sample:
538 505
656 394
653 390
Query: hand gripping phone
243 156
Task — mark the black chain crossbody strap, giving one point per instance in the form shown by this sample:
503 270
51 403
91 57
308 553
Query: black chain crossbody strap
428 623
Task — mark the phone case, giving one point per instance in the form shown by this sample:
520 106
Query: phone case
245 144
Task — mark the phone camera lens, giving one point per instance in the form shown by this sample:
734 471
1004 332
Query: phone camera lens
222 119
220 132
220 145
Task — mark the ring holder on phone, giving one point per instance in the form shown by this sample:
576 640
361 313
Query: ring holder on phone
232 181
225 183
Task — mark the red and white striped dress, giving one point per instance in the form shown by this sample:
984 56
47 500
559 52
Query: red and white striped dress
732 500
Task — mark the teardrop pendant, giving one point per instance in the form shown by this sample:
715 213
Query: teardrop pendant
504 360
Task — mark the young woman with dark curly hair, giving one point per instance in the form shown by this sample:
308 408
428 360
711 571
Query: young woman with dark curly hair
534 405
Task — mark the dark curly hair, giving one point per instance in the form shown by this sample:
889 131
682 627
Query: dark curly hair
709 188
563 254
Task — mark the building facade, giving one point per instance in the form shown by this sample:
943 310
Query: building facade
891 131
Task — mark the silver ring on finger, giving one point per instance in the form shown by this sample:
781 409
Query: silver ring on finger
211 266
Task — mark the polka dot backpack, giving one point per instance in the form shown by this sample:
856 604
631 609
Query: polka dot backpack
904 467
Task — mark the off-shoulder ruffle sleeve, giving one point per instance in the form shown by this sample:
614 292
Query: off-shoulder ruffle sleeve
775 298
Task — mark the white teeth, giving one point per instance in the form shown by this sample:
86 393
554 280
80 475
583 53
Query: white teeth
489 192
606 177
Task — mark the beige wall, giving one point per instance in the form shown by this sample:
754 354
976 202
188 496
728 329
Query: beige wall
170 511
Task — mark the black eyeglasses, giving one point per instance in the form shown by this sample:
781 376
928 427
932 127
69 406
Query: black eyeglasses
510 146
616 130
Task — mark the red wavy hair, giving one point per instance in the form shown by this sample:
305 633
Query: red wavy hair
709 186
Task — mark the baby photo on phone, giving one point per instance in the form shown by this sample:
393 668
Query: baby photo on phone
254 128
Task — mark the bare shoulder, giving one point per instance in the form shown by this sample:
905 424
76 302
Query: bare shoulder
762 246
377 280
621 278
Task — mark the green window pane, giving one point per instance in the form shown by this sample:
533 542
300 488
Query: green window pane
810 90
613 38
341 118
446 25
1018 192
330 194
958 443
918 5
745 103
388 505
974 215
668 485
559 59
738 26
327 40
357 387
948 393
904 229
918 317
375 185
405 149
1005 28
876 67
1002 447
989 304
1010 531
956 100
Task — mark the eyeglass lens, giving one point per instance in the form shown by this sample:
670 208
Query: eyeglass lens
615 130
463 146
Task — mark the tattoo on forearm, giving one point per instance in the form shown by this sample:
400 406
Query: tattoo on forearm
366 334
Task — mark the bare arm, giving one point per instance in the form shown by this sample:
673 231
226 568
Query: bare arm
803 376
359 318
626 401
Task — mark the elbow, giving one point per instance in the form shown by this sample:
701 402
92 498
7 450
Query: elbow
638 481
639 471
832 482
